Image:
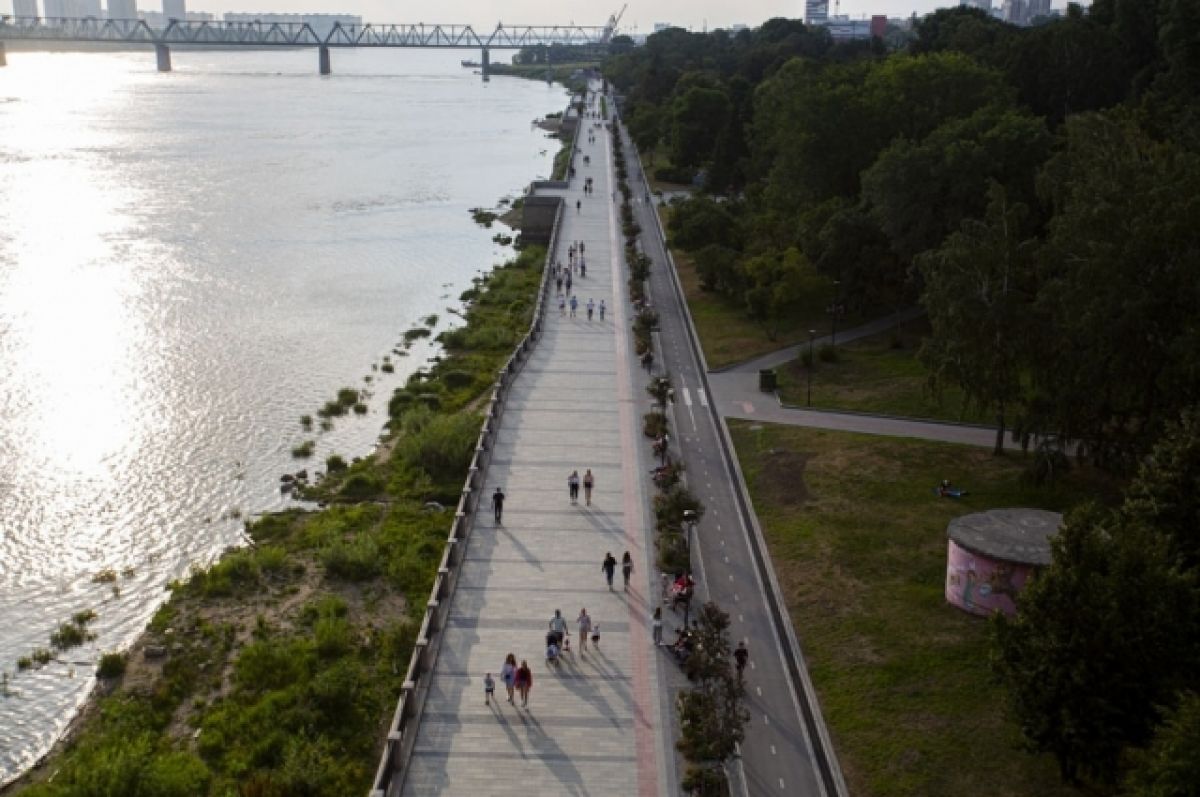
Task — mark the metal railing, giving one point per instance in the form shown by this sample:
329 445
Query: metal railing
406 718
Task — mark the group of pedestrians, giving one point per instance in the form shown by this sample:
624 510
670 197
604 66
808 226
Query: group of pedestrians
609 566
573 483
517 680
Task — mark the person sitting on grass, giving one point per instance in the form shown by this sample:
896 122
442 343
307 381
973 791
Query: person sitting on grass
948 490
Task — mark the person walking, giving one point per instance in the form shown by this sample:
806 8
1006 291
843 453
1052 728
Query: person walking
601 309
558 284
570 282
489 689
585 629
558 626
591 308
508 674
656 625
582 267
741 656
524 681
573 486
609 566
574 303
562 306
626 568
498 504
589 481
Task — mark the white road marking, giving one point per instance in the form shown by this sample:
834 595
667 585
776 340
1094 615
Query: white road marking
741 619
703 398
773 750
687 397
759 690
766 720
781 783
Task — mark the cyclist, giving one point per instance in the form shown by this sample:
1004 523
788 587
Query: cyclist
741 656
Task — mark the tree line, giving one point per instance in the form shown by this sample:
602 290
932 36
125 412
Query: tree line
1037 191
1034 188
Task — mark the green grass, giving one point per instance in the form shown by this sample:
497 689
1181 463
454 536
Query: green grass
859 544
874 376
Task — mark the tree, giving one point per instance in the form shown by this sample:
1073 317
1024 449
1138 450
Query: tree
979 293
779 284
696 117
1118 285
1102 638
710 714
1170 767
1165 495
919 192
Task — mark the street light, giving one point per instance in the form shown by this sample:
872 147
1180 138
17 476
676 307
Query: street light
812 333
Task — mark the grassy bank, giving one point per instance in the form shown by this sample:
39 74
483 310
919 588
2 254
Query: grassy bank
558 73
858 542
275 671
880 374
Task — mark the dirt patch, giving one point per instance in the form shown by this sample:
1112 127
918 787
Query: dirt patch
781 478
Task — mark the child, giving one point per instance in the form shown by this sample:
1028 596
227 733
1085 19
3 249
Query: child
489 689
596 635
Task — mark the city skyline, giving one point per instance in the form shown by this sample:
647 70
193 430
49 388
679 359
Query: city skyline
639 17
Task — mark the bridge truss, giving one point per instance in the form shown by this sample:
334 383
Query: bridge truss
299 34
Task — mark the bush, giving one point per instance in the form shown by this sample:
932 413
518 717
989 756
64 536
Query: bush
352 560
304 450
335 464
111 665
347 396
440 445
457 379
415 334
360 409
654 424
829 354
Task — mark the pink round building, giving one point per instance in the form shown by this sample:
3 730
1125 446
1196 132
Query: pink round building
992 554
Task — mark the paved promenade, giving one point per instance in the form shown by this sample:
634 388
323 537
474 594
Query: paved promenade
593 724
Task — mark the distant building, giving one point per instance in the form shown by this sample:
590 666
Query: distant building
320 23
1039 8
843 27
738 26
174 9
661 26
122 9
816 12
879 24
25 8
983 5
73 9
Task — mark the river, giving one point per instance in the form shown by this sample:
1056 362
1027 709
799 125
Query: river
188 263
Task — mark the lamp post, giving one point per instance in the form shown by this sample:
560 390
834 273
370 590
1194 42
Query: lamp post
812 333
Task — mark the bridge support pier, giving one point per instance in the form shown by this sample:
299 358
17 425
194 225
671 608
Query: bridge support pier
3 61
486 63
163 55
323 62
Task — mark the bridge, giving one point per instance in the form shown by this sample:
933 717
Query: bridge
298 34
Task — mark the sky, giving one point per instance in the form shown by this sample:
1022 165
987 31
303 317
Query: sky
640 17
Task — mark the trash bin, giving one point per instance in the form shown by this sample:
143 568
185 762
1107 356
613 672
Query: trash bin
767 381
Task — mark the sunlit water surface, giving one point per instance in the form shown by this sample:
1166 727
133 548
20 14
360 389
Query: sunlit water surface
188 263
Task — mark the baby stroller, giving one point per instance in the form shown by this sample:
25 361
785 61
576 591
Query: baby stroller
553 648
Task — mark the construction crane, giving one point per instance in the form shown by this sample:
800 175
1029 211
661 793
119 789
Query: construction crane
611 27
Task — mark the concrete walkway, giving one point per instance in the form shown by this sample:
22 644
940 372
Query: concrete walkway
594 724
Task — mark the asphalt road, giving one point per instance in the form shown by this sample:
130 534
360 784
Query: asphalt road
778 755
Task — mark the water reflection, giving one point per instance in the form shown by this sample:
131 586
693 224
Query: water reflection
188 263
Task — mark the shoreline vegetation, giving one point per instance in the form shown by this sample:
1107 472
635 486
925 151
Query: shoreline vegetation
275 670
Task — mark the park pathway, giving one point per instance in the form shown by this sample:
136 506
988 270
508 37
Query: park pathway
594 723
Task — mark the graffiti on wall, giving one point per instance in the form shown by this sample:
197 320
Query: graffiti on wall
981 585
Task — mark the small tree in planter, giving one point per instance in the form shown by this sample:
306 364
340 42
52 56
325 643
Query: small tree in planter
711 715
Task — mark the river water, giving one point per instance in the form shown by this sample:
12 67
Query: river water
188 263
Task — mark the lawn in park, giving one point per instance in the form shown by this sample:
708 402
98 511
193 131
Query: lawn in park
878 375
858 540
